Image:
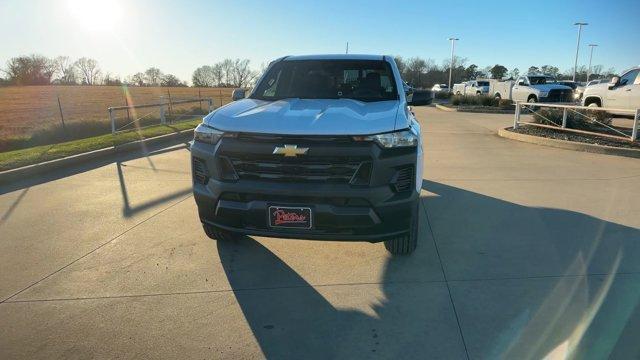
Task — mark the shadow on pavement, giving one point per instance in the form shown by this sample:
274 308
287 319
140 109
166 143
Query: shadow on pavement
94 164
128 210
532 299
520 317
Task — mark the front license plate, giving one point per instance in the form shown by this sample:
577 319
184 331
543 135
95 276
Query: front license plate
290 217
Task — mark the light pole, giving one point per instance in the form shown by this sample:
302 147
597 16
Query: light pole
590 58
575 65
453 47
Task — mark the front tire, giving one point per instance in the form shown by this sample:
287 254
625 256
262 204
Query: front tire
407 243
215 233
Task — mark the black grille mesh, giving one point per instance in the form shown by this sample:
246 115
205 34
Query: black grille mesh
200 171
403 180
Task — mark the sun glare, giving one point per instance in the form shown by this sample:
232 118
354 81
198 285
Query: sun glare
96 15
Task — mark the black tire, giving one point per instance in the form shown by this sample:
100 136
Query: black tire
497 96
532 99
406 244
216 233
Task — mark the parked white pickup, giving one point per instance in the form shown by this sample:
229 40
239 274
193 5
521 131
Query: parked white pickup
473 87
622 92
531 88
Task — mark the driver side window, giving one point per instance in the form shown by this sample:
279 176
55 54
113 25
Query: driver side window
521 81
629 78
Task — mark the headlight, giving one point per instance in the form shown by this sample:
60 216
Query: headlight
402 138
544 93
207 134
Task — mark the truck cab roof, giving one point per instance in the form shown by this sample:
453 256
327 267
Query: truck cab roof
335 57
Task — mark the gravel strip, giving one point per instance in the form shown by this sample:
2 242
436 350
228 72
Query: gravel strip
570 136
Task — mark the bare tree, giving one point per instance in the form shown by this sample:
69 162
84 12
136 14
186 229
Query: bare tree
137 79
89 71
217 74
400 63
153 76
203 77
65 70
110 79
226 66
241 73
171 80
30 70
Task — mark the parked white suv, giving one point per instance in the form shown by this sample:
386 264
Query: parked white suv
622 92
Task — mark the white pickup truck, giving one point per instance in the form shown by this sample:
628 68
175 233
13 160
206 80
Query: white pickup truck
622 92
532 88
473 87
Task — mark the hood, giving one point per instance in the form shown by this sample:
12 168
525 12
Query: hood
306 117
547 87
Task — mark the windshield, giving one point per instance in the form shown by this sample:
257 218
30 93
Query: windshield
364 80
540 80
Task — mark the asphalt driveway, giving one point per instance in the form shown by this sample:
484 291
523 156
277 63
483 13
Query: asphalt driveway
524 252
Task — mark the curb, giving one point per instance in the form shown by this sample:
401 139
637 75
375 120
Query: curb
8 176
478 111
445 108
568 145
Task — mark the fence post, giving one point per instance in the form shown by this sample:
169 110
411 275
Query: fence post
636 120
64 127
564 118
163 120
517 116
113 121
210 100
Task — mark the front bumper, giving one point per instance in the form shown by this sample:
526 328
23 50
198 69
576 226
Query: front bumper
373 212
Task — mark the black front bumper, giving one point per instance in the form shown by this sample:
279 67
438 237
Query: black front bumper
373 211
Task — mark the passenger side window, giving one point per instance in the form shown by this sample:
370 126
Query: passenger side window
629 78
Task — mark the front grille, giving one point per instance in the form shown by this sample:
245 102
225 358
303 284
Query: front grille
560 95
295 199
276 168
200 171
403 180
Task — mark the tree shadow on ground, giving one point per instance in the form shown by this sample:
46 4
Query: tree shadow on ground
563 315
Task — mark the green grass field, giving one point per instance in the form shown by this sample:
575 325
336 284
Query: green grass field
18 158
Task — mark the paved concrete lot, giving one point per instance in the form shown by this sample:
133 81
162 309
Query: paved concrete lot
524 252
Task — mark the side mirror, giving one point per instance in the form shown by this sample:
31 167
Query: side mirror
614 82
237 94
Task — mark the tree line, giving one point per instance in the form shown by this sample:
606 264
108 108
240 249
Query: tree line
424 73
419 72
41 70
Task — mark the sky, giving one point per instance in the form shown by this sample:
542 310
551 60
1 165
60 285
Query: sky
128 36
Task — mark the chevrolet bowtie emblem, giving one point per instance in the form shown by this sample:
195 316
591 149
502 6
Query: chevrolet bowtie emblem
290 150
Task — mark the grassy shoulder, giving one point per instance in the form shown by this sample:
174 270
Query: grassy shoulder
18 158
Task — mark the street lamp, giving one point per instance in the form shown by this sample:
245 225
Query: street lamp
453 46
590 58
575 65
